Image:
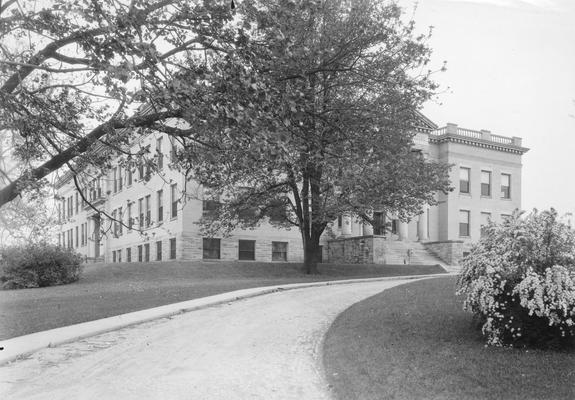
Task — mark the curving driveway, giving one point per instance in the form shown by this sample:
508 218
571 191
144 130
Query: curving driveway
266 347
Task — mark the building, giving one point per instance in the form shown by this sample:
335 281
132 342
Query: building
161 218
159 213
486 177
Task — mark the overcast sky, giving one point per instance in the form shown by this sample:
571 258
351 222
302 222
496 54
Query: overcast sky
511 70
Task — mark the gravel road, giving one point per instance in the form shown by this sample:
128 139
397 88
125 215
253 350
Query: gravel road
266 347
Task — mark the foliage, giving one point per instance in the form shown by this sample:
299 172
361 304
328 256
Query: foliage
71 73
27 219
519 280
297 110
311 116
38 265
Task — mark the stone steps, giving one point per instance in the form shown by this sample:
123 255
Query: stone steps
397 254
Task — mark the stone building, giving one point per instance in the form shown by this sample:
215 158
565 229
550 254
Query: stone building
160 215
486 177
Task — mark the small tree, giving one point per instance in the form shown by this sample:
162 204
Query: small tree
519 280
312 115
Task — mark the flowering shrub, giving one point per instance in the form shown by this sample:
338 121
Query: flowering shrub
38 265
519 280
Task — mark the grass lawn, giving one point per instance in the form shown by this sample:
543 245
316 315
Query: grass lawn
106 290
415 342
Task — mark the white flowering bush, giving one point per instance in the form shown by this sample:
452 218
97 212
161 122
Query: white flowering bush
519 281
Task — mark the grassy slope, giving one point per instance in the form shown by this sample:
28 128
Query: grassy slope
415 342
107 290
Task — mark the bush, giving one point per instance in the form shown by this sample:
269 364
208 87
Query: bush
519 280
38 265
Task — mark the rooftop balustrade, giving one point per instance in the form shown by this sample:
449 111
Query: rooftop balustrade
454 130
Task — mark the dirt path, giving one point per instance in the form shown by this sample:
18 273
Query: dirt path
265 347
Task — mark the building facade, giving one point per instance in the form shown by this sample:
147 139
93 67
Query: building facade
160 210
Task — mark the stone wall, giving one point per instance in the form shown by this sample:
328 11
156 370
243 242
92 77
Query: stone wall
357 250
450 251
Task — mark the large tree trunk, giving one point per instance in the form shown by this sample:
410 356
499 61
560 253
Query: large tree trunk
312 255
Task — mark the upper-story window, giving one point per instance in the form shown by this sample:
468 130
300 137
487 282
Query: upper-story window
173 151
485 220
141 212
174 200
464 222
464 178
486 183
160 199
505 186
159 152
129 177
120 179
115 178
148 210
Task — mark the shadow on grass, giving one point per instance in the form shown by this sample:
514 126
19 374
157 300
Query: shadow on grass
415 342
105 290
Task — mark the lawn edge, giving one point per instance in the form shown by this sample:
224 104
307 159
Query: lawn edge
20 346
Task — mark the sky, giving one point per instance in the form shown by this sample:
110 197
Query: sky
510 70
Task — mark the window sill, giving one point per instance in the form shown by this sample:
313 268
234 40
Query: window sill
465 194
485 197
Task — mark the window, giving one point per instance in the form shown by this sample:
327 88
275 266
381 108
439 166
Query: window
130 219
77 238
148 211
119 255
140 253
247 250
485 219
505 186
147 252
114 256
128 255
115 178
279 251
120 222
486 183
115 222
160 206
172 248
159 250
77 203
211 249
82 235
159 152
464 174
173 152
119 179
174 198
141 171
339 221
141 212
464 223
129 177
209 208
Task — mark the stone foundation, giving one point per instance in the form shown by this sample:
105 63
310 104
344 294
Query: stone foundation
450 251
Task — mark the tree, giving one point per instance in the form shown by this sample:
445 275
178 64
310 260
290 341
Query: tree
311 116
72 73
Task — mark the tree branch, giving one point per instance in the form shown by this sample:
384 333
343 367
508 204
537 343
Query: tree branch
11 191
